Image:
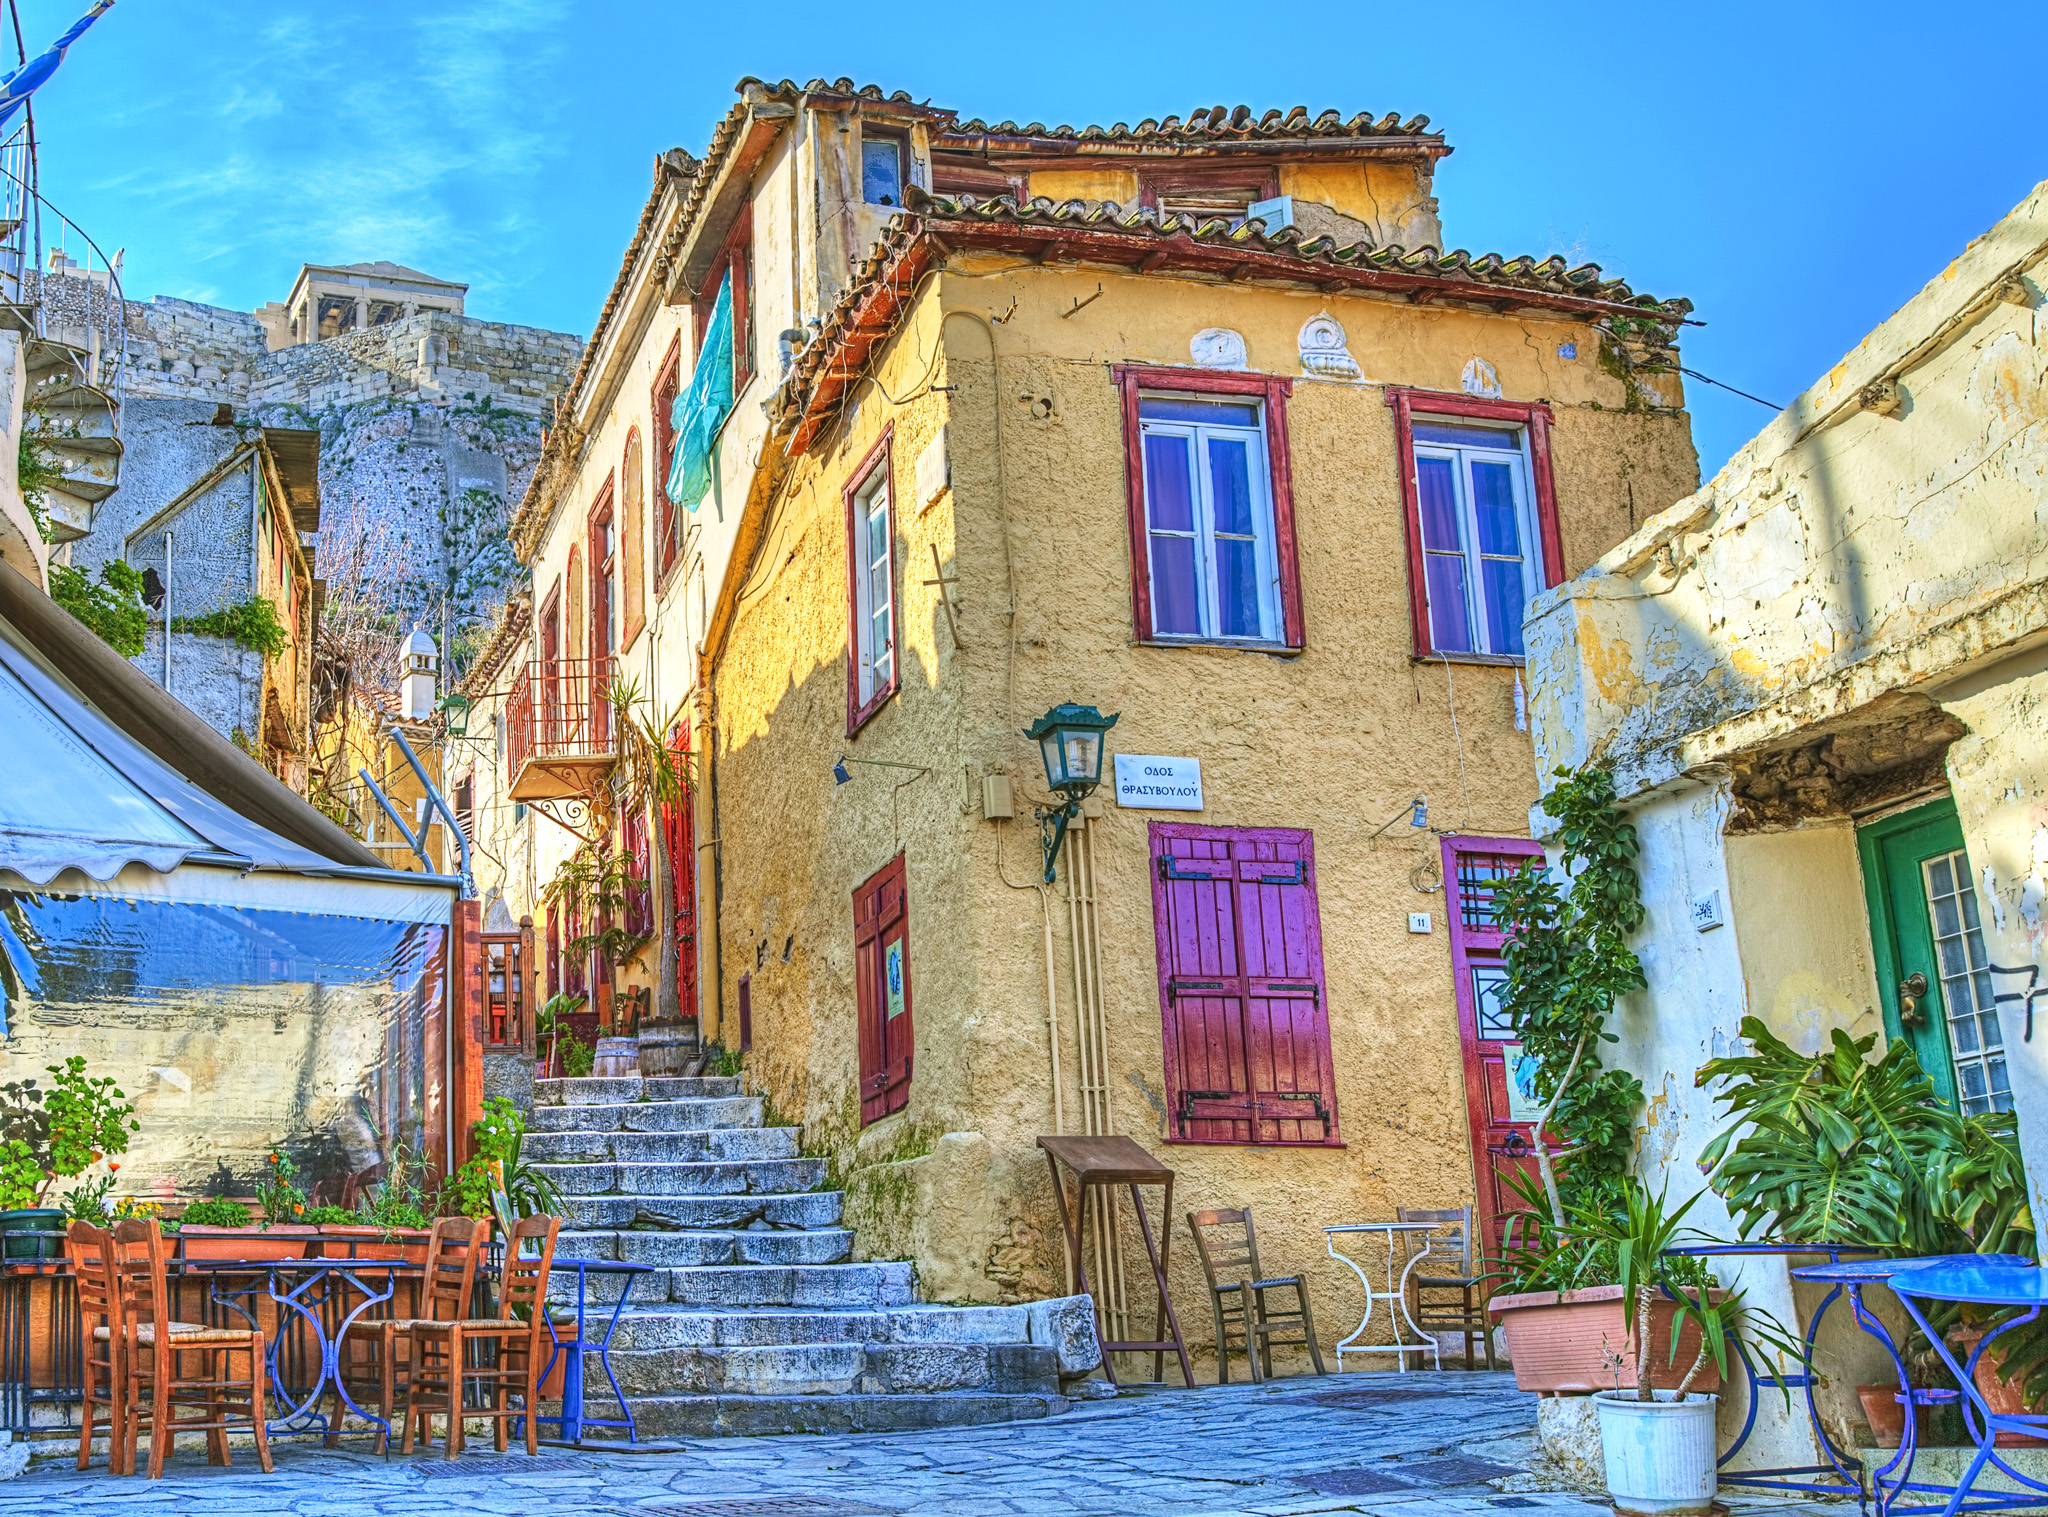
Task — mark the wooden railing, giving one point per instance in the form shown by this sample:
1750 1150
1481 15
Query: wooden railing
558 710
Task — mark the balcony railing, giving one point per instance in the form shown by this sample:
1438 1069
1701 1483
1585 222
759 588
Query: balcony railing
558 727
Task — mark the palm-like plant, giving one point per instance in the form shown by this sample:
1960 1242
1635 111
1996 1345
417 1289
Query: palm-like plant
647 776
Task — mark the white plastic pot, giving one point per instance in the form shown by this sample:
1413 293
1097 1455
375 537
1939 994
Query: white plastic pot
1659 1454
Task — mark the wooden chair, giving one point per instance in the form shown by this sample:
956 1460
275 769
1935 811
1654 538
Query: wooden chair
440 1377
103 1325
440 1295
1256 1324
1460 1296
156 1348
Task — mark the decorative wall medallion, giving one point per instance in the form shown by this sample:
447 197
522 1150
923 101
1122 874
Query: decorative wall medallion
1323 351
1218 348
1481 379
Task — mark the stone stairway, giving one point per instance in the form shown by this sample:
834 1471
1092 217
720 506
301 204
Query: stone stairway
757 1321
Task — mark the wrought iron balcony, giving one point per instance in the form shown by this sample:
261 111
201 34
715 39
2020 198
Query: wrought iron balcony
558 729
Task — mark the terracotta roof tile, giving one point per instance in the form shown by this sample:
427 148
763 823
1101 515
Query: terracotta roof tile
1211 126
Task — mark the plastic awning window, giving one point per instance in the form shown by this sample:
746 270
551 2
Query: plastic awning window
702 408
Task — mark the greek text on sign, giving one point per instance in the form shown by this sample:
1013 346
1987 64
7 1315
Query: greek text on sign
1151 783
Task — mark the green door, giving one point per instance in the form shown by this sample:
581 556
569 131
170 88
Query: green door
1933 968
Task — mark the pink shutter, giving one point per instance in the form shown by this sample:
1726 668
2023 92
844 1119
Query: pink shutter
1246 1023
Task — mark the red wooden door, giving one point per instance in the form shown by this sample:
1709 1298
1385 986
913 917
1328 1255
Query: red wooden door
1495 1109
1246 1020
881 969
680 822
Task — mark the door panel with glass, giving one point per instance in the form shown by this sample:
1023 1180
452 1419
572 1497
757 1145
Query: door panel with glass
1933 965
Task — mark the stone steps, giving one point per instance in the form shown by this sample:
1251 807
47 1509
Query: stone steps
755 1316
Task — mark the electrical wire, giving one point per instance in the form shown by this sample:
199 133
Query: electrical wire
1705 380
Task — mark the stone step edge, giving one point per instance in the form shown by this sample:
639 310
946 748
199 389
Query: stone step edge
859 1412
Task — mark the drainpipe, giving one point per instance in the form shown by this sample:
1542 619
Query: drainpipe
167 611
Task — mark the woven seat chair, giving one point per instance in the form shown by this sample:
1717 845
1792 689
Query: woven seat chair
1453 1302
155 1351
1237 1296
441 1377
442 1293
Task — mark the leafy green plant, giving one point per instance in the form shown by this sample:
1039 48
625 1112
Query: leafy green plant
37 470
554 1010
578 1058
253 623
90 1119
402 1202
280 1196
331 1216
496 1181
22 1176
216 1212
112 609
88 1202
1568 960
592 886
725 1063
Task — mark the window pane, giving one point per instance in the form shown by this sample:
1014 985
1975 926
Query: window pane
878 536
1230 485
1493 503
1449 626
1438 499
1169 489
1502 578
1237 587
1468 437
881 171
1208 413
1487 984
1176 594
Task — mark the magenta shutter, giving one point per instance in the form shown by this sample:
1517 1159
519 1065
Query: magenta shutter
1246 1021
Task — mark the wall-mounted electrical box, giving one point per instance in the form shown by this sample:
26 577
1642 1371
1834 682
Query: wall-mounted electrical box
996 804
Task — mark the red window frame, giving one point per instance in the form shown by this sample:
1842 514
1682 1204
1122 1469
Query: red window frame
1190 857
1273 390
1534 416
881 916
736 257
745 1001
858 713
668 384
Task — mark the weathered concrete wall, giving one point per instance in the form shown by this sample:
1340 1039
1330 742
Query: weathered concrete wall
1334 739
1795 899
21 541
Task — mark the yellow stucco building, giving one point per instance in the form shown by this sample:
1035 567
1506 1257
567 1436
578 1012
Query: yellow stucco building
1191 422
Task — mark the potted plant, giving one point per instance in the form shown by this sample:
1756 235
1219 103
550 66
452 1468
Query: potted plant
551 1026
221 1228
496 1181
51 1135
1659 1446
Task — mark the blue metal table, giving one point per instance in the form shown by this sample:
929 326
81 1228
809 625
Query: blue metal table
2023 1285
572 1420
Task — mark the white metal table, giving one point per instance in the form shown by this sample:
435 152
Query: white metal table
1395 1294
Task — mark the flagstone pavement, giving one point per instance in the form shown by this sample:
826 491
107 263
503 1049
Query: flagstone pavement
1414 1445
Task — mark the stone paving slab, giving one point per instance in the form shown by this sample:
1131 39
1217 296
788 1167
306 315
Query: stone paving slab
1234 1451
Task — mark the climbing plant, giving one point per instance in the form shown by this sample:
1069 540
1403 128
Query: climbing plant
1568 961
112 607
253 623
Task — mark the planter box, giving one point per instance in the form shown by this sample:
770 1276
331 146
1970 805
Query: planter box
1568 1341
287 1240
32 1220
345 1240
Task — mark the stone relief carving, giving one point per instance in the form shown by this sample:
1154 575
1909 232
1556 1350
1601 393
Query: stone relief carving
1481 379
1218 348
1323 351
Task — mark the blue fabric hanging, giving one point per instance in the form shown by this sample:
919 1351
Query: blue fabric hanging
702 408
19 85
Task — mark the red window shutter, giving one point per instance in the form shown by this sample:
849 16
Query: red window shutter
554 955
1246 1020
881 954
682 876
746 1012
639 911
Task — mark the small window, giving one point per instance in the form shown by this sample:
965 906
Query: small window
871 534
1480 554
1210 545
1208 207
883 170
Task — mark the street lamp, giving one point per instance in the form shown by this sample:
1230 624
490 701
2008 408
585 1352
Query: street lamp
1069 739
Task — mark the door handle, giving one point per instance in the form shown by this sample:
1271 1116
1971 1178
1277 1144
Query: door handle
1912 995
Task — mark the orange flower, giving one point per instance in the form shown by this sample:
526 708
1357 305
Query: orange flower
113 1169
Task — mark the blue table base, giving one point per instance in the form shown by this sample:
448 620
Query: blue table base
572 1421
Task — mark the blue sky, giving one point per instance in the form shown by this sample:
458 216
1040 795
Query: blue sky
1797 170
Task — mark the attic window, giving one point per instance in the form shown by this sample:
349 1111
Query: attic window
1208 205
884 166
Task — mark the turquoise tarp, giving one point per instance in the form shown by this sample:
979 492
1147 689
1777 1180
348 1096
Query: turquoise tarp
702 408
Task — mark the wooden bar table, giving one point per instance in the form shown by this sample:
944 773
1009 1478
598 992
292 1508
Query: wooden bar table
1107 1162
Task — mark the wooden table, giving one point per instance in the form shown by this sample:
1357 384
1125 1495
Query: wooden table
1104 1163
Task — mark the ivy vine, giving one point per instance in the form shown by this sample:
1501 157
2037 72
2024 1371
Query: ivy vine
253 623
1568 961
112 607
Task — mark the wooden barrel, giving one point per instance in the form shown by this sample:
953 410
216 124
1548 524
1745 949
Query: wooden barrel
667 1048
616 1058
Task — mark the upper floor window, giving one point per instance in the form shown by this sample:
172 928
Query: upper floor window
668 530
1211 515
884 166
870 524
1482 520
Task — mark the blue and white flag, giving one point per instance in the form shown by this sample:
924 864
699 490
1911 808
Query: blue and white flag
19 85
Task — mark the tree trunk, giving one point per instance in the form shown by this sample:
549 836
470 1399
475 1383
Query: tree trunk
1543 1166
1645 1294
1699 1363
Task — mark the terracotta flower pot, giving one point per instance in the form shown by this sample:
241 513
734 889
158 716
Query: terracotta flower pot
287 1240
2001 1396
348 1240
1569 1341
1887 1415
